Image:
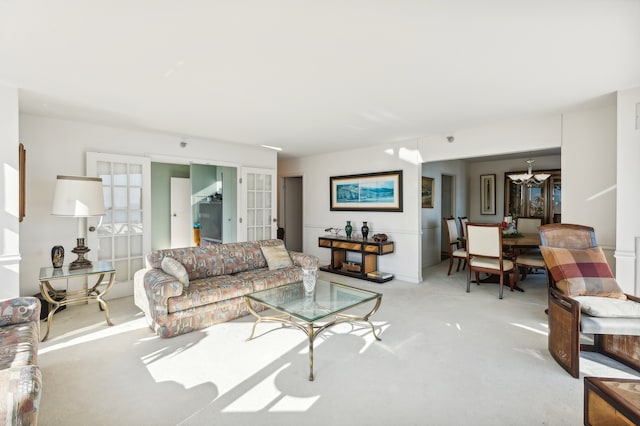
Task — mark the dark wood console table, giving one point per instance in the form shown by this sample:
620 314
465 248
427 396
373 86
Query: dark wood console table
367 267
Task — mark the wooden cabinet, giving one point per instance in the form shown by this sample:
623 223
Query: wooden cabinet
364 264
610 401
543 200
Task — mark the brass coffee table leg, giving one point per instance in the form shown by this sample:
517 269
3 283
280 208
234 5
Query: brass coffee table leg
311 336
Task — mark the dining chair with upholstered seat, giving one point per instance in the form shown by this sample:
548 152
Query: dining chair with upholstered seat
463 224
454 245
530 258
528 225
484 254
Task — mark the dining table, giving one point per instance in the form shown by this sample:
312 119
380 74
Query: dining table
520 241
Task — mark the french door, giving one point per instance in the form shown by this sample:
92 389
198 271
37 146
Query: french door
123 235
259 201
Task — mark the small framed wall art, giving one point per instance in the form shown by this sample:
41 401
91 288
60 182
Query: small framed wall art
488 194
427 192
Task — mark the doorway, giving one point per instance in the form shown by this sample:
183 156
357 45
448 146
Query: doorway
292 212
447 209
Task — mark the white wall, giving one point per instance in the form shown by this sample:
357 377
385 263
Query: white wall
57 146
589 173
628 177
431 219
9 184
402 227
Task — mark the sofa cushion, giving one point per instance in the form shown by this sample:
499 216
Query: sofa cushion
277 257
175 268
581 272
607 307
215 289
618 326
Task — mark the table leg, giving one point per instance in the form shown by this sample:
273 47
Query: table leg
311 337
103 304
45 289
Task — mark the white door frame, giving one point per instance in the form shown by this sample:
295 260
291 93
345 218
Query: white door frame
242 219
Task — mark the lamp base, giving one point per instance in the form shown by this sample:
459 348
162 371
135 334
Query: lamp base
80 250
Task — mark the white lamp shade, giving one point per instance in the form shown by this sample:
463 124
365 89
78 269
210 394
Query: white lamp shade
78 196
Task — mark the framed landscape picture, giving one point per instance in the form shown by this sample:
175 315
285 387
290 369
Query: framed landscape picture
488 194
427 192
367 192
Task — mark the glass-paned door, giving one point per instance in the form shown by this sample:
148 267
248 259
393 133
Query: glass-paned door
260 203
122 236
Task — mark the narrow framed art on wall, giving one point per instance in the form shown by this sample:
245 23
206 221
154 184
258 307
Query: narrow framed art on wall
488 194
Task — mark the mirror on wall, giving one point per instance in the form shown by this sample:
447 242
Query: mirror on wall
543 200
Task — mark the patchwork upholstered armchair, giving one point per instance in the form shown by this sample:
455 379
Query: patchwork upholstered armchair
584 297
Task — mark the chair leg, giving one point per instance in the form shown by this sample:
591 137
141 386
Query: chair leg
477 278
450 265
468 280
458 268
501 284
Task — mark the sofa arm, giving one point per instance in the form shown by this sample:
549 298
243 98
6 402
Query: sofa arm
19 310
303 260
158 283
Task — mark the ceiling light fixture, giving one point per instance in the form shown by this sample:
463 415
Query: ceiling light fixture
528 178
450 139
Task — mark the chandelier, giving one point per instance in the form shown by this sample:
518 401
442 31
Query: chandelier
528 178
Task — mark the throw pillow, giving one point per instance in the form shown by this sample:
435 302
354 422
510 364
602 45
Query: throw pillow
277 257
172 267
581 272
606 307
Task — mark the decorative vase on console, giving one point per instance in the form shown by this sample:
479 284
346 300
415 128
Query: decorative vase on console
365 230
57 256
348 229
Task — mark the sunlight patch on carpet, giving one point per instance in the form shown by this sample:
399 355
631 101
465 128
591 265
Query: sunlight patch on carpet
534 330
266 395
90 337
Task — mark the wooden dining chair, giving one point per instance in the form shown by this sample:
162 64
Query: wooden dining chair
528 225
484 254
463 224
530 258
454 244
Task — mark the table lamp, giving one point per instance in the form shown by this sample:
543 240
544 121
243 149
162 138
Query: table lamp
81 197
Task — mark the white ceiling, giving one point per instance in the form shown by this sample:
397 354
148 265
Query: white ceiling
315 76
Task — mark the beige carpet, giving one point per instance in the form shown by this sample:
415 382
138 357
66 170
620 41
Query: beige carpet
446 358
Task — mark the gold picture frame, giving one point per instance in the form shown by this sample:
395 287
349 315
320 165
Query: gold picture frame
427 192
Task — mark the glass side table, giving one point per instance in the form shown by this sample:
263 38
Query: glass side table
58 298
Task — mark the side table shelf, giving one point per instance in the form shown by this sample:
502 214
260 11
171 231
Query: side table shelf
369 251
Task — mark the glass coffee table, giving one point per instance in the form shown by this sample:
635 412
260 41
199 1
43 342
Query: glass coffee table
327 305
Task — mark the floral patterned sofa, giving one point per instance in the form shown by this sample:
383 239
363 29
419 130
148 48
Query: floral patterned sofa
217 276
20 377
